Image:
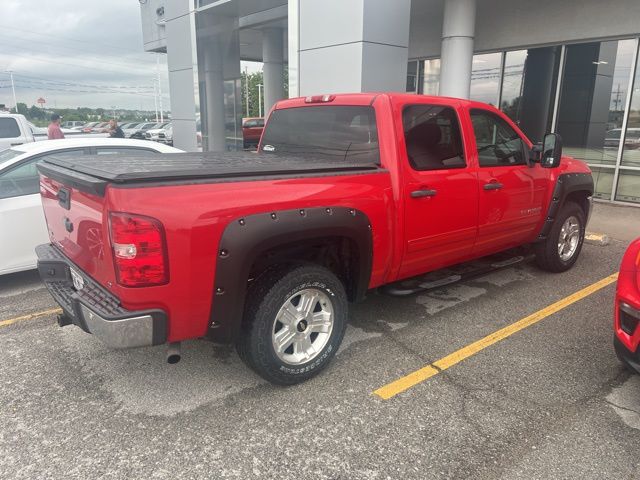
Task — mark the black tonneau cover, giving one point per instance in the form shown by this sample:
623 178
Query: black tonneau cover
93 172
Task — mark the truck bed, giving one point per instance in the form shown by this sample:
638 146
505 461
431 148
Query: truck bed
95 171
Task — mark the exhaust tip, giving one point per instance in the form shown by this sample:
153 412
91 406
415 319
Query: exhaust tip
173 353
175 358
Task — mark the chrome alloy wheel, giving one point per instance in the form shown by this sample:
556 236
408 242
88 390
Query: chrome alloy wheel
569 238
303 326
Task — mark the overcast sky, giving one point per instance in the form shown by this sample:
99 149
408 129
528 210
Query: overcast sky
77 53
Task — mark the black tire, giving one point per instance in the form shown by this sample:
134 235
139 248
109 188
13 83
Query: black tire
547 252
265 298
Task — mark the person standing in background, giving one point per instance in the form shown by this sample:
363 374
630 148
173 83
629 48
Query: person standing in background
54 132
114 130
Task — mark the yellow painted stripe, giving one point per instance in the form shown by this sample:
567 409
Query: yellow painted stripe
31 316
398 386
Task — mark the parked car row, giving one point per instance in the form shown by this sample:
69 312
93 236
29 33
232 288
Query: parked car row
129 128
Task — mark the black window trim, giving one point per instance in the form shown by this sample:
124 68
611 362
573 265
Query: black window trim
465 156
522 140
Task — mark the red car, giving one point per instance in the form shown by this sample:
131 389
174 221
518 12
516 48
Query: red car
251 131
347 193
627 308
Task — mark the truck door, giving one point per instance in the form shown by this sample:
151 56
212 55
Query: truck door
441 191
512 193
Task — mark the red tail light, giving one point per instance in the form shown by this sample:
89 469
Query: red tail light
139 250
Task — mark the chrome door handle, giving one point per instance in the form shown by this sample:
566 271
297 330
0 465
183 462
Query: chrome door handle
423 193
493 186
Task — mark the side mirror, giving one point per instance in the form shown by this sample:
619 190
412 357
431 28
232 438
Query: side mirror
551 151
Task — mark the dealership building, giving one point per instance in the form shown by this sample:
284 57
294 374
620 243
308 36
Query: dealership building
565 66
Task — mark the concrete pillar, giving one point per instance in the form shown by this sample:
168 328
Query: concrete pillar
458 30
273 69
182 65
214 97
343 46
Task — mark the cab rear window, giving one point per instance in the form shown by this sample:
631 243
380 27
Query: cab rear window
347 132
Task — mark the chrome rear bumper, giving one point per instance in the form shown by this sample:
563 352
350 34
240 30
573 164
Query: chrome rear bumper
96 310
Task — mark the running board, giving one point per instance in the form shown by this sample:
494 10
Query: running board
454 274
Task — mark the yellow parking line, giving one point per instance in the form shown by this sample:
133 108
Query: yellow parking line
398 386
31 316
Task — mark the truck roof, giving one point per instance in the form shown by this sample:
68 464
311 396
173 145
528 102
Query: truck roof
368 99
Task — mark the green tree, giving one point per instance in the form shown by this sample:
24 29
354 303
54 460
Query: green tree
254 80
36 113
23 109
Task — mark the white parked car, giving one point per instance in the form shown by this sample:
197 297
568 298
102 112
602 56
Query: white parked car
14 130
22 223
160 134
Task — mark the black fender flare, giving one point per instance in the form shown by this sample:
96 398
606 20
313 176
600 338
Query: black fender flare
566 184
245 239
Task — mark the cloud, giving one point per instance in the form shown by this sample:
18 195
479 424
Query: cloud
77 54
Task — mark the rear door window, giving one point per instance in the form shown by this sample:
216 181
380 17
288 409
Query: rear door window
9 128
327 131
432 137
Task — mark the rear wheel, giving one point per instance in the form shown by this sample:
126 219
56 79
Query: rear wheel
294 323
560 250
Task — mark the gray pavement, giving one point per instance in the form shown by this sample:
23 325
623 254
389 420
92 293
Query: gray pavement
618 221
551 401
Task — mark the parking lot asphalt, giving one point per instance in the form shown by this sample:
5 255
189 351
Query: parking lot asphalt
549 401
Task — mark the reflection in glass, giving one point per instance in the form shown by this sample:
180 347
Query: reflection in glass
430 74
512 82
603 182
631 152
594 90
412 77
628 186
485 78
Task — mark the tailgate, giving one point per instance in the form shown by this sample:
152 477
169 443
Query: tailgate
75 224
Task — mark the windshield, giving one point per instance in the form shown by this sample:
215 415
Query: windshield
347 132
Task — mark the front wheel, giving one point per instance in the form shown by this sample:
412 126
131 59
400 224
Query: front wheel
294 323
560 250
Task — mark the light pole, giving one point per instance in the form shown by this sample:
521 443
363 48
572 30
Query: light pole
159 87
155 99
260 100
246 87
13 88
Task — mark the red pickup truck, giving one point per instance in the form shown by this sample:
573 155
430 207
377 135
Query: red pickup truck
347 193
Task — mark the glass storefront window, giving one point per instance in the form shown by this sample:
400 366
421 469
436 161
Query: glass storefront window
595 83
512 81
485 78
603 182
430 75
631 151
412 77
594 89
628 186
